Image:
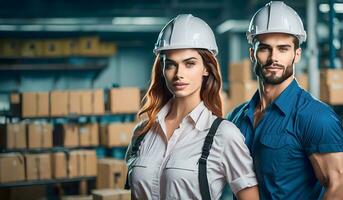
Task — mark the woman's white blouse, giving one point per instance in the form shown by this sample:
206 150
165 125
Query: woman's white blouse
166 169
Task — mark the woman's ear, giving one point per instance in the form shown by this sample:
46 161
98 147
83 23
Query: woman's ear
205 72
252 54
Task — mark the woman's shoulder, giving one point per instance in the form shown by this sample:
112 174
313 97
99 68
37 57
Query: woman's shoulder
229 131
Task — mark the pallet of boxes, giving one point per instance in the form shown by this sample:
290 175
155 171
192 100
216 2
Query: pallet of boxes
112 172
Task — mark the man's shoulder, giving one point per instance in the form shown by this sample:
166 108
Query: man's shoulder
310 111
309 105
237 112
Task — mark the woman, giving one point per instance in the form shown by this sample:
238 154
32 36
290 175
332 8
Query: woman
181 104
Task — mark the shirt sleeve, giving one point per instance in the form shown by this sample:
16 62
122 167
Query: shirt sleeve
237 162
322 132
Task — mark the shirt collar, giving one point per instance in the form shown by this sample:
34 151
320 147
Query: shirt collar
284 100
200 116
250 107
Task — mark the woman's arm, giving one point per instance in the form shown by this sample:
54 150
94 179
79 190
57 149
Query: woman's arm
250 193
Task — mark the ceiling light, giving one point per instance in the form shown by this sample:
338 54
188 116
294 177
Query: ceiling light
233 25
325 8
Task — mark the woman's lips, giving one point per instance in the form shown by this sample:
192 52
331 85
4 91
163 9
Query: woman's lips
180 86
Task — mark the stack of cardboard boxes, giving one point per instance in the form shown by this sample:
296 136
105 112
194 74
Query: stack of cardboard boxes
241 85
82 46
331 86
21 136
74 135
72 164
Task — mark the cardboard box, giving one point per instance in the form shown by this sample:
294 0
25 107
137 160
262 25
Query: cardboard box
47 130
90 163
29 104
117 134
329 76
73 164
59 103
98 102
84 135
66 135
74 102
111 173
11 167
38 166
88 46
10 48
107 48
34 136
59 165
331 93
86 102
43 104
52 48
303 80
94 134
124 100
81 162
111 194
39 135
13 136
68 47
77 197
31 48
240 71
241 92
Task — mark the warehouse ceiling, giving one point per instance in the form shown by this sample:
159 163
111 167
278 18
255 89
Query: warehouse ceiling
120 17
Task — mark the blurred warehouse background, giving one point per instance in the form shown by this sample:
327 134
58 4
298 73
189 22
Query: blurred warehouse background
72 74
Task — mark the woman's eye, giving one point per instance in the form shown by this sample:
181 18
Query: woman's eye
263 49
169 65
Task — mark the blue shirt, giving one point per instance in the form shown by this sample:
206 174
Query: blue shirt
294 126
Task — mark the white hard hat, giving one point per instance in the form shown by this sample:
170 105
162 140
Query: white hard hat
276 17
186 31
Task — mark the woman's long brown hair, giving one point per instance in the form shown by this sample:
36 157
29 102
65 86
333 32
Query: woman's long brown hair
158 94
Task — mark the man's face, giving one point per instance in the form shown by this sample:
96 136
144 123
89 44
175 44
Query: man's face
274 56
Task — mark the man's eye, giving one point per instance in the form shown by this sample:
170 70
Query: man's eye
190 64
283 49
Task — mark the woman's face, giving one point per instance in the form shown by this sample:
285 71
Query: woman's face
183 70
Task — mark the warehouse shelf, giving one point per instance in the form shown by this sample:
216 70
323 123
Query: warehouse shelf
46 150
106 117
45 182
53 64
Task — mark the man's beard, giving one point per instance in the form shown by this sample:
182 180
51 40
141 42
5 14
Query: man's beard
273 79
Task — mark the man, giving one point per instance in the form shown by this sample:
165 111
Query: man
296 141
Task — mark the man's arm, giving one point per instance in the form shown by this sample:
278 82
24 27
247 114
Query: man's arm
328 168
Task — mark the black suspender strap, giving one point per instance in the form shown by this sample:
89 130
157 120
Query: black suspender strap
202 174
134 149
